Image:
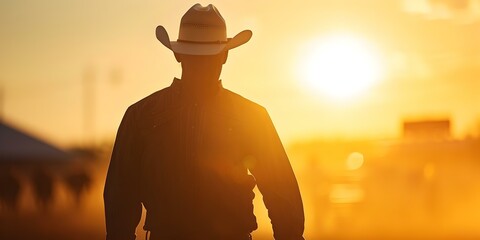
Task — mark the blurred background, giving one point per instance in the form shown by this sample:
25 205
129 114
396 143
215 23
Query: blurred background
376 102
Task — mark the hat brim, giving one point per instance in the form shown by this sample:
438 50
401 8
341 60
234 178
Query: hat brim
201 48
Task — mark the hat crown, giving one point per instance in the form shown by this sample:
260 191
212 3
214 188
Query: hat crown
203 25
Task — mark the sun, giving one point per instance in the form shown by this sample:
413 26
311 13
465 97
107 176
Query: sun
340 66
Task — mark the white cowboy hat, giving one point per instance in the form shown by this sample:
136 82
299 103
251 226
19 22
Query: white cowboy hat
202 32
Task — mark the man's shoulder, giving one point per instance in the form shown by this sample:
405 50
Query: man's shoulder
241 101
243 104
149 101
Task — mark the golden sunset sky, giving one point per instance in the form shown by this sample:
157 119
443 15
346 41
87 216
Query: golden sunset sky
428 56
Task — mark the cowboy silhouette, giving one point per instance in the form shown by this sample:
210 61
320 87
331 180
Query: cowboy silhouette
192 152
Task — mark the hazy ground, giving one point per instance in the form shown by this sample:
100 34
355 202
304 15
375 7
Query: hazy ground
433 195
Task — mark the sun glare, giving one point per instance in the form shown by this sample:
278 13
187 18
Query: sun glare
340 66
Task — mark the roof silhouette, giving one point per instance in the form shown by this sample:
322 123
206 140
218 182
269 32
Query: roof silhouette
19 146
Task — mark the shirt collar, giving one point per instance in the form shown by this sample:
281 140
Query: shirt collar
193 94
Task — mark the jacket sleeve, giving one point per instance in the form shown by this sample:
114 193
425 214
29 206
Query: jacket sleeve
277 183
121 195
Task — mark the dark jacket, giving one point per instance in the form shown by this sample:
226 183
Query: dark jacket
188 161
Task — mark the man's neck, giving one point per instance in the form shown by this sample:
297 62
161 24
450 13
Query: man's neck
199 87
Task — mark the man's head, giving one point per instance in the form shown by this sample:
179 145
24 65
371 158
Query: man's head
202 32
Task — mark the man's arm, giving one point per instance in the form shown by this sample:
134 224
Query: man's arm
121 195
277 183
